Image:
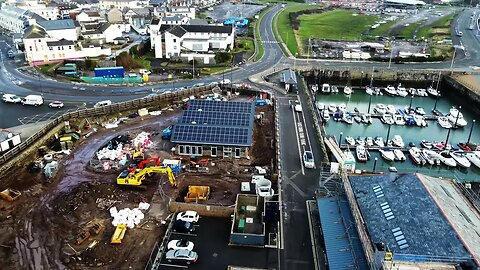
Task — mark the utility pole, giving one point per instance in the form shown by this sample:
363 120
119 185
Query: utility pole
453 58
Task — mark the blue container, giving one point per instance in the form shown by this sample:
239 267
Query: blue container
110 72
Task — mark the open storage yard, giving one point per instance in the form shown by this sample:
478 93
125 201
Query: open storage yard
66 221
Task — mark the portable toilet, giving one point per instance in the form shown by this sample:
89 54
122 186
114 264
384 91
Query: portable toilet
174 164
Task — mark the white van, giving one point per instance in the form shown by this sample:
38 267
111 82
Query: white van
34 100
9 98
102 103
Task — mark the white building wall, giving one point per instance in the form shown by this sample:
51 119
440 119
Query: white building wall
10 19
108 4
5 145
172 45
68 34
112 33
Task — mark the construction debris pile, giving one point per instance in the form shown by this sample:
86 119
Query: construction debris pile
127 216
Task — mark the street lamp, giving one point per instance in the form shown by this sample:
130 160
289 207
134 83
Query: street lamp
340 140
375 164
309 48
410 107
369 103
295 62
391 54
388 133
471 129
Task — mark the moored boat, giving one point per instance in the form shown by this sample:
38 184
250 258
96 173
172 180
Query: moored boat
314 88
387 154
320 106
379 141
332 107
419 120
473 158
431 156
390 90
420 111
380 108
461 159
325 88
347 90
444 122
446 158
398 141
387 119
360 141
334 89
349 140
432 91
369 141
427 157
369 90
399 155
362 153
398 118
416 156
426 144
391 109
342 107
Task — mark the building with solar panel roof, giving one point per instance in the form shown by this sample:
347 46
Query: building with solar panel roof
215 128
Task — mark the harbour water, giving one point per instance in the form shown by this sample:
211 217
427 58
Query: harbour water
433 132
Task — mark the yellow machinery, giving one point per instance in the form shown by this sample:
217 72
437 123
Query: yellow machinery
10 194
135 178
119 233
197 193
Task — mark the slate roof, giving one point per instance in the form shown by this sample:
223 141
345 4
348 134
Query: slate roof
288 76
200 28
34 31
57 24
399 211
177 31
61 42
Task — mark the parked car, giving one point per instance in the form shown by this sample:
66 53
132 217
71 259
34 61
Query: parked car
9 98
180 244
102 103
56 104
189 216
298 108
225 81
34 100
308 160
144 71
183 226
181 256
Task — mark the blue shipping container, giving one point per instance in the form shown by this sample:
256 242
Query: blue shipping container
110 72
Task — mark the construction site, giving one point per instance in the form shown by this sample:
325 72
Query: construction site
99 192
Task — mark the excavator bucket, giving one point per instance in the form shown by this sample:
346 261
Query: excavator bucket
119 233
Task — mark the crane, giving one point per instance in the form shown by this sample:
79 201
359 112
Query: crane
145 163
136 177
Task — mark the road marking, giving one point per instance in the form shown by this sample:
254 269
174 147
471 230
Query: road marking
306 131
174 265
298 140
288 181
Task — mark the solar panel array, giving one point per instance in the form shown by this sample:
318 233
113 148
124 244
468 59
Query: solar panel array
221 106
215 122
215 118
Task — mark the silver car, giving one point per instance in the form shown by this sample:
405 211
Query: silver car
181 256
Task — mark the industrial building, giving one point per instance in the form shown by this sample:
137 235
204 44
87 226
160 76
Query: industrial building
215 128
400 221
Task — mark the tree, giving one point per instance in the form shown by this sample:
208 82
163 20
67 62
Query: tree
90 64
223 57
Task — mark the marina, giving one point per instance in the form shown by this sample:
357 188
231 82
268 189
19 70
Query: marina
431 122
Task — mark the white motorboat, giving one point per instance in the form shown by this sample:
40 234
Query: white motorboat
366 118
387 154
387 119
444 122
349 140
473 158
399 155
431 157
314 88
332 107
362 153
360 141
369 141
342 107
391 109
398 118
325 116
380 108
377 91
426 144
347 90
422 92
419 120
458 121
357 118
390 90
432 91
461 159
379 141
416 156
325 88
320 106
447 159
420 111
401 91
347 118
412 91
369 90
334 89
398 141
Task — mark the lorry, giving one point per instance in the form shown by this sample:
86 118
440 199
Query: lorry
34 100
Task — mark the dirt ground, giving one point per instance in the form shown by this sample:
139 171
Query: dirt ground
39 230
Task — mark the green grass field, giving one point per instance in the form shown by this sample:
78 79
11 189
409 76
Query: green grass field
382 30
284 28
335 25
409 31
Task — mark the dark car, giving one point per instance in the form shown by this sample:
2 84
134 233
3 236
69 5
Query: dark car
183 226
181 256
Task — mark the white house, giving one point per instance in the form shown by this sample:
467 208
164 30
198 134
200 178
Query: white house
182 10
61 29
89 16
44 11
8 140
192 41
111 31
174 20
121 4
14 19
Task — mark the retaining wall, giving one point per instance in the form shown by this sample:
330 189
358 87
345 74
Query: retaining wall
202 209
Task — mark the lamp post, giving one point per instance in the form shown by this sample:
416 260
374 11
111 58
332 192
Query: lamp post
375 164
471 129
295 62
410 106
388 133
448 136
193 68
456 119
369 104
391 54
340 140
453 58
309 48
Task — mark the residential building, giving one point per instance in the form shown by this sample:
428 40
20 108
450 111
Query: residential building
61 29
115 15
44 11
191 41
89 16
121 4
182 10
101 33
139 12
111 31
14 19
65 9
215 128
174 20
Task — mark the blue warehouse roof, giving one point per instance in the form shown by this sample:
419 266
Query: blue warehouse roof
215 122
399 211
342 244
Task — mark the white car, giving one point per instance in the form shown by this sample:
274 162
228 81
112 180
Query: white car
188 216
56 104
180 244
308 160
298 108
225 81
9 98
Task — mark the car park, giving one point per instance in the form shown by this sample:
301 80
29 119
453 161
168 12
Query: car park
56 104
9 98
181 256
183 226
308 160
189 216
180 244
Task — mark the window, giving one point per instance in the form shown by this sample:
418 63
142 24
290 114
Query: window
69 47
194 150
214 151
59 48
227 151
187 149
174 40
237 152
30 48
50 48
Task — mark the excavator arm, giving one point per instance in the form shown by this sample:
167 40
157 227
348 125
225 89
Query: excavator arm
136 177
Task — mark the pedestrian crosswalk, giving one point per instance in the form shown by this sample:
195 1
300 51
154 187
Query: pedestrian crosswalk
269 41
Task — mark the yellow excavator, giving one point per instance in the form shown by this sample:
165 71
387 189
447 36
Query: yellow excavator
136 177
